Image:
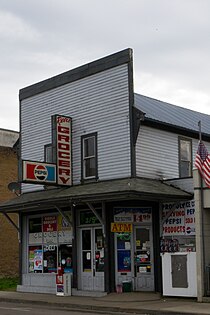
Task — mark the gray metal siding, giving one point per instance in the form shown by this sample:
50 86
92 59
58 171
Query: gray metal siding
98 103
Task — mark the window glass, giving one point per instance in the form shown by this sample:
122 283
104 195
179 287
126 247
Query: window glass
35 259
89 147
88 217
89 157
49 240
123 252
50 258
35 225
86 240
35 230
48 153
65 257
99 250
86 250
90 167
185 146
185 150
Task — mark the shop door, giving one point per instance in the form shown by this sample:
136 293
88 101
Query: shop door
92 259
143 259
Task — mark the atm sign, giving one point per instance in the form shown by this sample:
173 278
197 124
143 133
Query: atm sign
121 227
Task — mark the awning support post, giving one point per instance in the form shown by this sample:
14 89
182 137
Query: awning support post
95 212
11 221
69 222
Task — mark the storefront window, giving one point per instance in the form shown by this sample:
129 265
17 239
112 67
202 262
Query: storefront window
49 244
50 258
35 259
65 257
88 217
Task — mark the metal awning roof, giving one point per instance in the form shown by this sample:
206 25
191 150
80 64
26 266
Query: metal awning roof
111 190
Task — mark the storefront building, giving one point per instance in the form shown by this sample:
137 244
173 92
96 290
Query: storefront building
9 261
107 189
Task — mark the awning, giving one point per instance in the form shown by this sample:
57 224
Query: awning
110 190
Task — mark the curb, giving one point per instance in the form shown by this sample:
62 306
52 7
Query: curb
94 308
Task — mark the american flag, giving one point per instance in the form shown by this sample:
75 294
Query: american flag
202 162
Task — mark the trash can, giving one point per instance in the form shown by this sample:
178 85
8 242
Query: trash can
127 286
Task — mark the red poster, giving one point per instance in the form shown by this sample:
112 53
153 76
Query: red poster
50 224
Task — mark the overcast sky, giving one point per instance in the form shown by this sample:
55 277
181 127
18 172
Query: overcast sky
170 40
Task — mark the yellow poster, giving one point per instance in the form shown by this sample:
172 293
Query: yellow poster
121 227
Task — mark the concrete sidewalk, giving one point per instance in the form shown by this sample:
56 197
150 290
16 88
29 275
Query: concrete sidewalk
132 302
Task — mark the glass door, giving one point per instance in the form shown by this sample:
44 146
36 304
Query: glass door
123 258
92 259
143 259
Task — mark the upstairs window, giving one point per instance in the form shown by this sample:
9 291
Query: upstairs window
89 156
185 157
48 156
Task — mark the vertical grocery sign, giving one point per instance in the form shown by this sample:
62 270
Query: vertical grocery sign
62 146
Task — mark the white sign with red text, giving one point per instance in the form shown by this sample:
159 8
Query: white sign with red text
63 150
181 220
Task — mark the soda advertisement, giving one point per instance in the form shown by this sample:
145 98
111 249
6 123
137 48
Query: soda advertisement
178 219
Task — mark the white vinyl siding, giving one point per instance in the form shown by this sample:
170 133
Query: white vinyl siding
157 153
98 103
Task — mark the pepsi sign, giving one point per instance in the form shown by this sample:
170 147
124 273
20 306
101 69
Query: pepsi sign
39 173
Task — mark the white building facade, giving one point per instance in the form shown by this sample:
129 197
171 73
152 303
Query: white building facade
124 215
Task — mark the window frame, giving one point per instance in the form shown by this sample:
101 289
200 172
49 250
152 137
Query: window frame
180 159
41 244
48 153
83 158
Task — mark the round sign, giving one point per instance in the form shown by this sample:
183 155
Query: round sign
40 172
188 230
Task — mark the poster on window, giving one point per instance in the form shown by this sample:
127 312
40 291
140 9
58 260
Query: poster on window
65 232
50 224
180 221
64 224
38 260
124 260
50 229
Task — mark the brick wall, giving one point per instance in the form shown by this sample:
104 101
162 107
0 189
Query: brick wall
9 247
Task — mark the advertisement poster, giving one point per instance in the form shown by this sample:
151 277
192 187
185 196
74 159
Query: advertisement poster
49 224
38 260
181 220
50 229
133 214
124 260
65 232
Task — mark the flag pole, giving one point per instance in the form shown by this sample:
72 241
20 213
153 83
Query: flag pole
202 219
199 125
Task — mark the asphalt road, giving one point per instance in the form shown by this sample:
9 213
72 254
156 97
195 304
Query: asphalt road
10 308
33 309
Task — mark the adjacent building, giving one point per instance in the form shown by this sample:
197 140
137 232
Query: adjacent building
107 191
9 258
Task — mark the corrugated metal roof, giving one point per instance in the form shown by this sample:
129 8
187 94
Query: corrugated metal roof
172 114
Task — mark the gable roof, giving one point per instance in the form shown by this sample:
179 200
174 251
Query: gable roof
168 114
